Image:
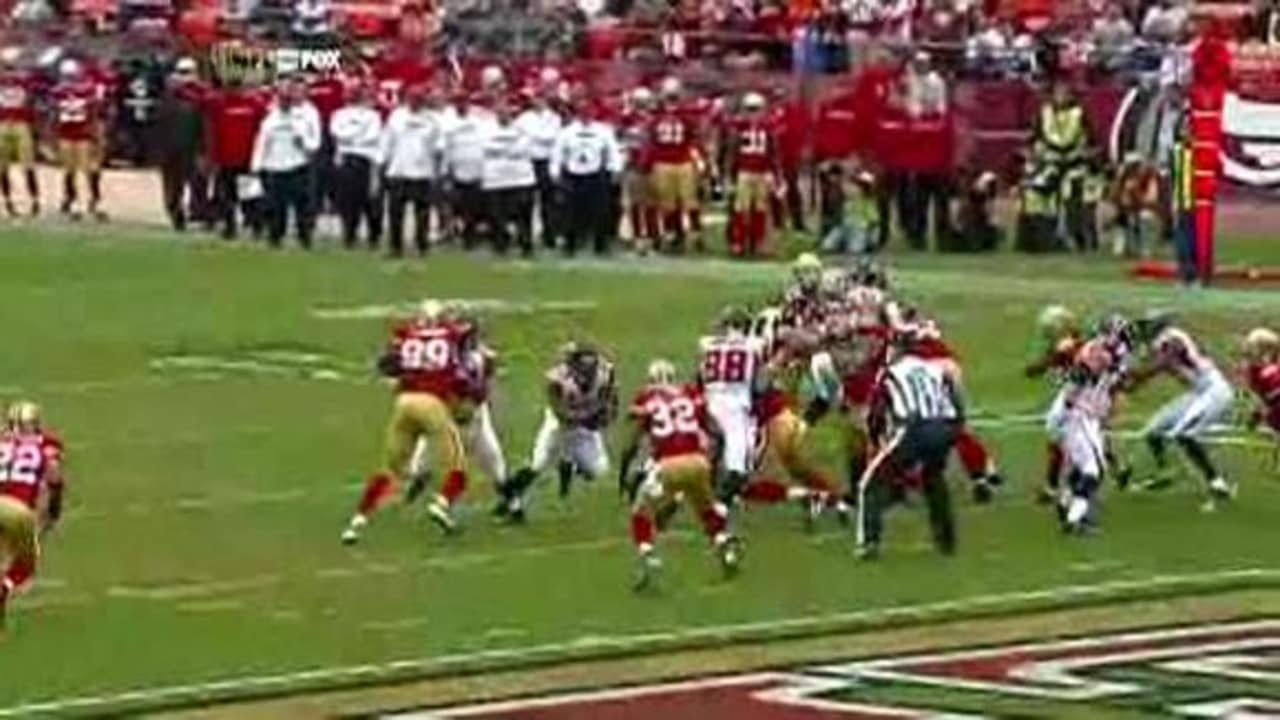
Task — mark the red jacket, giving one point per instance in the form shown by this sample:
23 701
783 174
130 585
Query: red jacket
233 119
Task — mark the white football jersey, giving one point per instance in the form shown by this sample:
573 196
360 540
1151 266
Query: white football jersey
728 365
1175 350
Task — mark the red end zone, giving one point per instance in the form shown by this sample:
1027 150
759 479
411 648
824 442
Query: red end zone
1213 659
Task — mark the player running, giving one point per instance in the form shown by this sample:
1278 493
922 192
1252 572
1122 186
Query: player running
729 374
1061 341
31 494
1187 417
425 357
582 401
682 436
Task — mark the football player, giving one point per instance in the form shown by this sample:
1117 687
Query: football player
783 431
675 167
17 128
1087 394
635 127
424 356
31 494
752 156
729 373
472 414
1261 348
673 420
77 121
582 401
1186 418
1061 339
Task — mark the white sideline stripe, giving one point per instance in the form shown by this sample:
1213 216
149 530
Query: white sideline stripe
328 676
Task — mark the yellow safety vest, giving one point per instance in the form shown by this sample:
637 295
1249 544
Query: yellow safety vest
1183 172
1062 130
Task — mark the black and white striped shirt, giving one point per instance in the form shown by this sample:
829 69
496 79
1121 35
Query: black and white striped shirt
917 390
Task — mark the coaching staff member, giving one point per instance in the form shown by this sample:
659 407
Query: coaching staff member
356 129
508 181
287 141
411 146
915 414
232 121
586 160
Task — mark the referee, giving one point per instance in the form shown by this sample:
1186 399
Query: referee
586 160
915 414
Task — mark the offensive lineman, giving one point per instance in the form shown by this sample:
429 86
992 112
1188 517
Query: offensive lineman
1187 417
31 494
674 422
582 401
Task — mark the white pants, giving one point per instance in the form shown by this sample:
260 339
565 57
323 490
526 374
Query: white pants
1055 420
1194 411
481 443
580 446
1083 444
739 427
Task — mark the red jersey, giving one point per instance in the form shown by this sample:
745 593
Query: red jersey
754 144
430 357
1264 381
76 110
25 462
771 403
233 117
636 127
674 417
327 94
393 76
858 385
673 137
16 97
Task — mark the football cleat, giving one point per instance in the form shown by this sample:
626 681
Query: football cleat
1124 478
646 571
730 553
813 507
350 536
565 471
417 485
442 517
867 552
983 491
1161 481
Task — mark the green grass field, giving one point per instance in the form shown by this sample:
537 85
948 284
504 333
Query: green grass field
220 412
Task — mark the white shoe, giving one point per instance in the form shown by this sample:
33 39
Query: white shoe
647 570
352 534
1221 489
440 515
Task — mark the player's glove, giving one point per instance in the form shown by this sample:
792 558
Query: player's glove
389 365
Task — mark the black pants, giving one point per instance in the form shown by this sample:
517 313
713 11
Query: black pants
469 211
925 195
588 210
891 196
921 447
354 198
400 194
510 214
185 191
284 192
549 210
228 205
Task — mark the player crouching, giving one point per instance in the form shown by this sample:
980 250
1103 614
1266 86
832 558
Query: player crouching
582 401
424 356
682 438
30 464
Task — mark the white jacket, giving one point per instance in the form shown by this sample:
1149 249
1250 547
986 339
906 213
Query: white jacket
357 130
508 159
411 144
286 139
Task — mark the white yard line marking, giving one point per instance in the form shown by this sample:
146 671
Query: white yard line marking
601 645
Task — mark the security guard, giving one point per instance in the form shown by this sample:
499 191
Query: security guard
586 161
1061 142
915 414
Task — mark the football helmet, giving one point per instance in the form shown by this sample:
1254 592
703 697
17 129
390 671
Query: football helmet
431 311
753 101
1055 320
1261 342
23 416
661 372
734 318
807 270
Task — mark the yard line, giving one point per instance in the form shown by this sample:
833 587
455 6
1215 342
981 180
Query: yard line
596 647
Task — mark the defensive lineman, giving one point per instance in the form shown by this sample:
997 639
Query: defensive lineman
915 412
